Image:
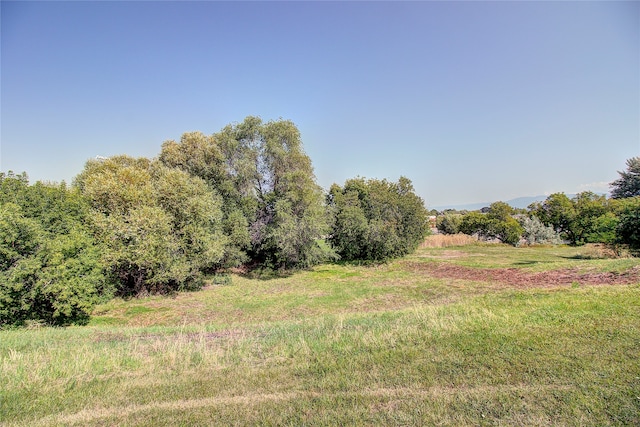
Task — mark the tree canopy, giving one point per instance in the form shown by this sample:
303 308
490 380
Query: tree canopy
50 265
273 208
585 218
160 226
496 223
628 185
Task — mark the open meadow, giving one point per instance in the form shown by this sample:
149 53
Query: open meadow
475 334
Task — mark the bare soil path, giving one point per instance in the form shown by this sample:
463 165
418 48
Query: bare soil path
524 279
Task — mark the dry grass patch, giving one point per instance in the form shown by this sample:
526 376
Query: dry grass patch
601 251
446 240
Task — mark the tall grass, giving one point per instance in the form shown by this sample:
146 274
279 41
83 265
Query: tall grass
446 240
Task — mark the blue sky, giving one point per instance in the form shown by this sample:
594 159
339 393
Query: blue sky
472 101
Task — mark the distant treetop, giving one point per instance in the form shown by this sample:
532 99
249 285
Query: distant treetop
628 185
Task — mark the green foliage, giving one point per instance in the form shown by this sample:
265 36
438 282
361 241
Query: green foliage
273 209
474 223
586 218
500 211
628 228
19 236
496 223
50 268
557 211
376 220
508 231
590 222
161 227
628 185
59 285
449 223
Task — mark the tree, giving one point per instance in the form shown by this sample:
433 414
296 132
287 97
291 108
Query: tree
496 223
376 220
586 218
557 211
50 266
591 222
475 222
290 211
161 227
273 209
350 227
628 228
449 223
628 185
202 156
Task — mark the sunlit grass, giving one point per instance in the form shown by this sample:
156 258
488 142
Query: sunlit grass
532 258
343 345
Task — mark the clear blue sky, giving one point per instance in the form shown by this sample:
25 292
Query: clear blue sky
472 101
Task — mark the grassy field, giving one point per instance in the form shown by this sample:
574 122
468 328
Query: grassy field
349 345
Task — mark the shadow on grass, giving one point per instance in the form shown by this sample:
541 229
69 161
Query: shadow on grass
266 273
531 262
258 272
358 263
578 257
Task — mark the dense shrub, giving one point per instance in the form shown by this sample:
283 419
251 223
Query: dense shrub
557 211
536 233
628 228
449 223
160 226
497 223
376 220
585 218
50 266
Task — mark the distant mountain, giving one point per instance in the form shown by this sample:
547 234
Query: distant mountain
524 202
518 203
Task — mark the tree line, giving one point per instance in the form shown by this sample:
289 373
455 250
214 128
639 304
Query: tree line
585 218
243 197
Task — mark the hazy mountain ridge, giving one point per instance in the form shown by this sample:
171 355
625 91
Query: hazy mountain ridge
518 203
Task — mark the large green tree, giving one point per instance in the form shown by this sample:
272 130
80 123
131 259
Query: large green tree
585 218
273 209
628 185
161 226
558 212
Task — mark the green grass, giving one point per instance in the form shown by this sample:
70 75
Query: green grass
535 258
343 345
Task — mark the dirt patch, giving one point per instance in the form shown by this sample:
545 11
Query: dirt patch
519 278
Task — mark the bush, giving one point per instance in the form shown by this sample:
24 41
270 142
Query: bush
497 223
536 233
160 226
50 269
449 223
59 285
628 229
376 220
